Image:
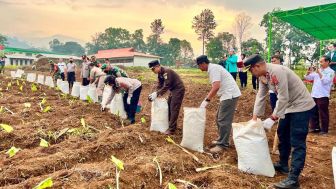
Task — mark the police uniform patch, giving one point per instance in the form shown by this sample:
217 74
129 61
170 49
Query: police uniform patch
165 76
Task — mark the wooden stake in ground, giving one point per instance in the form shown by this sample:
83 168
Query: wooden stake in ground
276 140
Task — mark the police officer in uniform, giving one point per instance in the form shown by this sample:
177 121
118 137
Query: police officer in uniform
293 111
168 80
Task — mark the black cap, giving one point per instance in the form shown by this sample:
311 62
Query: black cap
201 59
153 63
109 80
253 59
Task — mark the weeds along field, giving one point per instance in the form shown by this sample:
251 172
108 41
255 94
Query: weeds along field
72 142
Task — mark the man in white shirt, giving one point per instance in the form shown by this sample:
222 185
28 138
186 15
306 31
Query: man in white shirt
323 79
62 67
224 85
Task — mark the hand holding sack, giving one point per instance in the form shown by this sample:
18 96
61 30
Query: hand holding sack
152 96
268 124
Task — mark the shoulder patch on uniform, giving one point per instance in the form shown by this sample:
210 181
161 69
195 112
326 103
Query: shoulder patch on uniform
165 75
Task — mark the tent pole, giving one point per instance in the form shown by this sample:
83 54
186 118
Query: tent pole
269 37
321 47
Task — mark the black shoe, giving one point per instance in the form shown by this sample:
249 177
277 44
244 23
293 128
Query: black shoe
287 184
280 168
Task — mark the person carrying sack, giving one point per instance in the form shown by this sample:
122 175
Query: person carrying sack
293 108
168 80
224 85
132 90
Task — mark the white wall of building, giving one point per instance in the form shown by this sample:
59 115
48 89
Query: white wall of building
143 61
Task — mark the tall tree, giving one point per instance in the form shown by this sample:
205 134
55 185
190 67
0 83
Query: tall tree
215 49
157 27
241 26
252 46
187 52
204 25
137 40
116 38
228 40
95 45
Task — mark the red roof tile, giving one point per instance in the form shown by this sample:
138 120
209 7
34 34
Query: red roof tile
121 53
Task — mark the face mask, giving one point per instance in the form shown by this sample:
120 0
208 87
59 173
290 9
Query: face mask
71 61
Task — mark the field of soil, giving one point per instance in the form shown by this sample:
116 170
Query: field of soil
82 159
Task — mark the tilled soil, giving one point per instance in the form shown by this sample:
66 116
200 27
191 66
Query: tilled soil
82 159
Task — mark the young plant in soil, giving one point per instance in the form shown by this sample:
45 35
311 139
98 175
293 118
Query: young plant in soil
47 183
119 167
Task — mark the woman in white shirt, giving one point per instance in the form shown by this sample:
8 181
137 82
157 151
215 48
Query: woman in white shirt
131 89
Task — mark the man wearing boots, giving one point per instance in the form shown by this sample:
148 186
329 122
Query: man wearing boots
293 108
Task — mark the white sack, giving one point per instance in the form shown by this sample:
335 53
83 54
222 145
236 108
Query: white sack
193 128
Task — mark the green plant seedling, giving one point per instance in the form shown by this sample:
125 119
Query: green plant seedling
44 143
46 109
47 183
6 128
12 151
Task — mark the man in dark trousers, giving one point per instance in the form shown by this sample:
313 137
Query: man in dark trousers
293 110
168 80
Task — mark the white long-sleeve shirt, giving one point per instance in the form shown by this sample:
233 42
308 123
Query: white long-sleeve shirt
321 86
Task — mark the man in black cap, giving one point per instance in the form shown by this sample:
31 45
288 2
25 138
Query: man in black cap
292 108
224 85
168 80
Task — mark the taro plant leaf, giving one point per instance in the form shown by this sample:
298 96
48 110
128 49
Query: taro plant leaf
171 186
143 120
46 109
44 100
89 99
12 151
47 183
170 140
9 84
118 163
27 105
83 122
2 109
44 143
21 88
17 82
6 127
33 88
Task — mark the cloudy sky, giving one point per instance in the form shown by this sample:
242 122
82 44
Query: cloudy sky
82 18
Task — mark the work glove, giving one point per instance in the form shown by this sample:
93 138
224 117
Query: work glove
204 104
152 96
102 108
268 123
128 100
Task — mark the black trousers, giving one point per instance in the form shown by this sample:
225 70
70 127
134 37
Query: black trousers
320 114
63 76
255 82
131 108
243 79
71 79
234 75
292 132
85 82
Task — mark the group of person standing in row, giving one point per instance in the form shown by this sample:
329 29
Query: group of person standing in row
293 107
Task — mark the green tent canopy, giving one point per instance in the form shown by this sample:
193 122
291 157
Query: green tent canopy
318 21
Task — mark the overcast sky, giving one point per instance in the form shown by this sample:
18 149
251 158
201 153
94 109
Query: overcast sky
82 18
